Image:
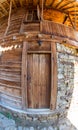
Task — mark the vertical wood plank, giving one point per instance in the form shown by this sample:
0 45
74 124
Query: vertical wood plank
35 81
53 77
44 81
30 80
40 89
24 76
48 79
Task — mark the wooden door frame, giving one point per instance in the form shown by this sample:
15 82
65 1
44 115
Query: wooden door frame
24 76
53 98
53 76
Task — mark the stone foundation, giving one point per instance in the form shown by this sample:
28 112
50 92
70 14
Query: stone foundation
10 124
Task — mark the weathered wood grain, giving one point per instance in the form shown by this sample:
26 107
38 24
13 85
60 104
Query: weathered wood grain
53 77
24 76
38 76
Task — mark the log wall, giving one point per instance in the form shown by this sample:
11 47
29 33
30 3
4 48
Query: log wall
10 75
11 53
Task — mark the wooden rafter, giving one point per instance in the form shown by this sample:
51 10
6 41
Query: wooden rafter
58 4
26 1
52 2
64 5
65 12
69 7
1 14
3 8
14 3
71 21
73 11
7 3
49 3
35 2
21 3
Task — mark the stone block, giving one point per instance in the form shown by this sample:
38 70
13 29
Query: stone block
20 128
44 128
32 128
10 128
50 128
5 122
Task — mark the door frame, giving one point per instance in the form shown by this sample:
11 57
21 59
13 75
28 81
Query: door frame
53 75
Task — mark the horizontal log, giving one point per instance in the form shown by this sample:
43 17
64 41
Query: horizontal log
10 83
9 86
16 18
10 70
41 52
12 28
13 91
10 79
14 31
10 98
9 66
13 75
10 62
3 72
11 103
10 95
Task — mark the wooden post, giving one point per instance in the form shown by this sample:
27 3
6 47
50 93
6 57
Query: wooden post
53 77
24 76
10 10
42 9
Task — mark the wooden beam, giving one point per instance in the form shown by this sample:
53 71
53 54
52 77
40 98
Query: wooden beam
38 12
47 3
71 21
65 12
52 2
10 10
14 3
67 8
7 3
65 19
3 8
24 76
42 9
35 2
58 4
1 14
65 4
21 3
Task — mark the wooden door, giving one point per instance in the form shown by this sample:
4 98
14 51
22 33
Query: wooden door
39 75
38 80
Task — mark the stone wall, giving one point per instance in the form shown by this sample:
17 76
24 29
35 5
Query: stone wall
66 58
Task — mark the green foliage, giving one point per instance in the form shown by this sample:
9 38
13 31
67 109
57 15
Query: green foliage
7 114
